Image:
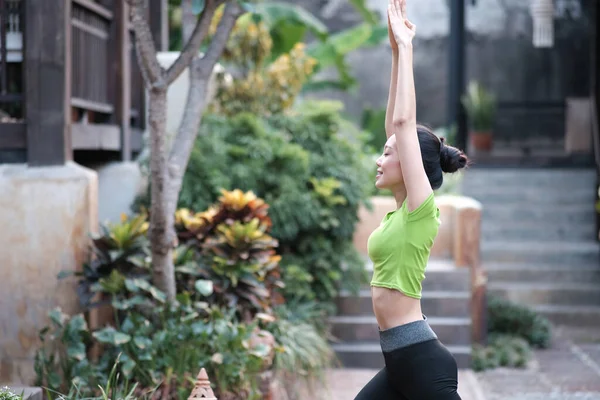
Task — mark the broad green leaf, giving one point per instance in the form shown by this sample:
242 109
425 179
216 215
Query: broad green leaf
275 12
351 39
111 336
157 294
128 303
378 35
285 35
77 351
78 324
127 367
361 6
142 342
58 317
204 287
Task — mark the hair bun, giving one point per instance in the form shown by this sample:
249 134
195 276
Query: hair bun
451 158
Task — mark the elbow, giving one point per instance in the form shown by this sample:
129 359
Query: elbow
399 122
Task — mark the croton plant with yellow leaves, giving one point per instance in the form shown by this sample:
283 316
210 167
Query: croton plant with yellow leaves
224 256
235 251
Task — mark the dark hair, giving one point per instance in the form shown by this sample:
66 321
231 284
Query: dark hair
438 157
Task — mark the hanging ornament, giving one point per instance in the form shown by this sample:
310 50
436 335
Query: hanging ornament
542 13
202 389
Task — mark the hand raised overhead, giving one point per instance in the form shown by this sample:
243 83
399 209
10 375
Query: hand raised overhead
403 30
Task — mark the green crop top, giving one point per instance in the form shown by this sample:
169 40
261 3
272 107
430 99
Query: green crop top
400 247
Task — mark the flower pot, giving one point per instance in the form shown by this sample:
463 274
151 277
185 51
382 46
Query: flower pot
481 140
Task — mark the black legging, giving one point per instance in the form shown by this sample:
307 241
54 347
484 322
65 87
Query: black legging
422 371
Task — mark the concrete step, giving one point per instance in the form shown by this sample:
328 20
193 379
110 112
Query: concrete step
450 330
368 355
433 303
510 272
531 197
580 316
546 230
552 253
544 214
542 178
440 275
556 293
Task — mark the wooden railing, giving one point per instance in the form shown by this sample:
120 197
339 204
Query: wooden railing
12 128
90 24
10 57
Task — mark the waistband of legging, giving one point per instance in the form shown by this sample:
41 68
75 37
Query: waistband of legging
406 335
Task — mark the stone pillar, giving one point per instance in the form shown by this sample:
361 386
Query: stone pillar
46 216
467 246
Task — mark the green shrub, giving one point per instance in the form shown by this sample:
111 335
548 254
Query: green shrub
512 330
228 283
7 394
503 351
515 319
312 174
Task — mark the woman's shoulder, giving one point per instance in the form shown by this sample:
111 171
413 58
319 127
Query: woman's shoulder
428 209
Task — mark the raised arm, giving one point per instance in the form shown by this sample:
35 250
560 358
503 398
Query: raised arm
389 113
404 121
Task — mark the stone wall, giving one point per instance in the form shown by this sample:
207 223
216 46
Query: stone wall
499 53
46 216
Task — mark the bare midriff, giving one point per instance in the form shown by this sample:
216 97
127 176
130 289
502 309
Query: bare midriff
393 308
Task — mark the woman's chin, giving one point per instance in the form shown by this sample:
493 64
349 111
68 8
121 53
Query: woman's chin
378 184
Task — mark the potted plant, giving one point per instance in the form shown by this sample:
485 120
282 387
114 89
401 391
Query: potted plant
481 110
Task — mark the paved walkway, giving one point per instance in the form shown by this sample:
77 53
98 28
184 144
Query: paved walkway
346 383
569 370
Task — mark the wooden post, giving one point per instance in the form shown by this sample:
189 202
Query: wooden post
123 75
202 389
47 67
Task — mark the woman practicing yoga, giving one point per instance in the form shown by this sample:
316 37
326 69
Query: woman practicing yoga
417 365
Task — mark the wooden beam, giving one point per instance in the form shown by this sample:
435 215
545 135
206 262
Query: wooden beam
12 136
47 67
96 8
91 105
123 74
159 23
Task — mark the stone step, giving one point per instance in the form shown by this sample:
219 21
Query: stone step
545 230
433 303
549 214
510 272
531 197
558 252
368 355
543 178
440 275
580 316
450 330
557 293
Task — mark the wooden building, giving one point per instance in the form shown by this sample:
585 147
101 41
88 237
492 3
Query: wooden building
70 87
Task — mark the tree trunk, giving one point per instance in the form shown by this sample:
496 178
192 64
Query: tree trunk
162 230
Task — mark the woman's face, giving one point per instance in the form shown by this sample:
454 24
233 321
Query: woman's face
389 173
